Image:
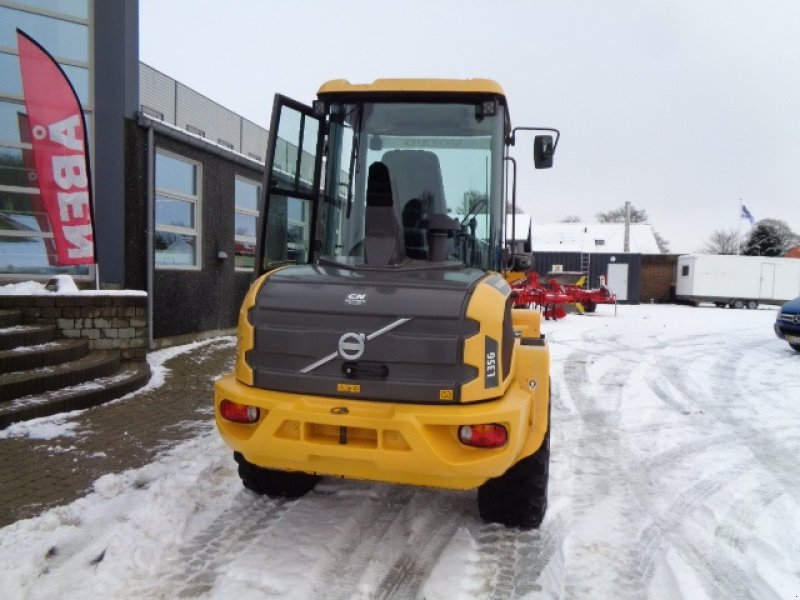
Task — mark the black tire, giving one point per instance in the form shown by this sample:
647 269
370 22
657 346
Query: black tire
752 304
518 498
590 306
272 482
795 347
737 303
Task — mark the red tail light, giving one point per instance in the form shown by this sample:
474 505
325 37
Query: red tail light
238 413
489 435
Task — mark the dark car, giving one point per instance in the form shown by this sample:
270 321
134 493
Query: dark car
787 325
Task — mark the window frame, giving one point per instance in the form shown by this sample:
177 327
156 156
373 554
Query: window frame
247 212
196 200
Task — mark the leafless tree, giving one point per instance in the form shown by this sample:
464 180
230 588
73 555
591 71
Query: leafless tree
722 241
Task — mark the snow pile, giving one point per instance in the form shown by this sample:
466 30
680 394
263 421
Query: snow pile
44 428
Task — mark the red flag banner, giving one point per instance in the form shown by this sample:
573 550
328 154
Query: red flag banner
60 150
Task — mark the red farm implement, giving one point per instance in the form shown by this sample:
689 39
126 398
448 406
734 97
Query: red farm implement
553 296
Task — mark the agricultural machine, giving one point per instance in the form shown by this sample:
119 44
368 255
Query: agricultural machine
552 296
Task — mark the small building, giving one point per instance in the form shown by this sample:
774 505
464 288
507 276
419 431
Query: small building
597 249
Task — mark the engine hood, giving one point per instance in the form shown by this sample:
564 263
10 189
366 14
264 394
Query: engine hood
372 334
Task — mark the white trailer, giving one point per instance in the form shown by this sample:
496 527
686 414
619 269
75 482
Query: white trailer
737 281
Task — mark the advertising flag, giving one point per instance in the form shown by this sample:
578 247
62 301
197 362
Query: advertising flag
60 151
747 215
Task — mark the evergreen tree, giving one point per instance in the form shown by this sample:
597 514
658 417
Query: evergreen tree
770 237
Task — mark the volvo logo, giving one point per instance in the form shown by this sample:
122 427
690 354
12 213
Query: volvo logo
351 346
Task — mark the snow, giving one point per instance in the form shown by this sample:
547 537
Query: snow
673 476
65 287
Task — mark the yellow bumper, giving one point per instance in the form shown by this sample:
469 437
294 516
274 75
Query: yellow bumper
400 443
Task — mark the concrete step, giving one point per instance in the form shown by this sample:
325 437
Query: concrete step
26 335
9 318
42 355
128 378
34 381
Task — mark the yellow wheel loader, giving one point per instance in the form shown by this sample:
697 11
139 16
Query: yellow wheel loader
378 340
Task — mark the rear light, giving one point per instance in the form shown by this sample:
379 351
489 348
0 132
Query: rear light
489 435
238 413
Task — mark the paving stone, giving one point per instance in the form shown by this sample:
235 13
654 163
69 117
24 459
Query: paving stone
36 475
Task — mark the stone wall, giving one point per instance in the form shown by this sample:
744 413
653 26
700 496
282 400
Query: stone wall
109 322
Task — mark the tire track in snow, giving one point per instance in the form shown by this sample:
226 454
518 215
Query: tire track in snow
664 532
513 560
347 568
422 550
772 452
602 463
655 533
719 573
193 569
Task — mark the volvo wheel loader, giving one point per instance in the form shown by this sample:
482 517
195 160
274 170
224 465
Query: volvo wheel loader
378 340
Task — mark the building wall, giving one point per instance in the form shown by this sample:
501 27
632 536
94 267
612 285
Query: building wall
598 266
116 40
658 277
167 100
188 302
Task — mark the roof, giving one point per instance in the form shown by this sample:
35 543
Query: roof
479 86
521 224
592 237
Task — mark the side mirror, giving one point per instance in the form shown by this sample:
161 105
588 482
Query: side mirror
543 150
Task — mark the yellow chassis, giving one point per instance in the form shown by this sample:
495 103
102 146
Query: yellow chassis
393 442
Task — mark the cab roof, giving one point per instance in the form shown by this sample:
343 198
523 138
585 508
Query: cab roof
444 86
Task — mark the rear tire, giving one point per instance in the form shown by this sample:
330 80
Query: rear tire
272 482
590 306
795 347
518 498
737 303
752 304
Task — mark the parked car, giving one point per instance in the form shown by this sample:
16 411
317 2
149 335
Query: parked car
787 325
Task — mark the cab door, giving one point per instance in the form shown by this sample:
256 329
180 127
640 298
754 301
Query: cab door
288 214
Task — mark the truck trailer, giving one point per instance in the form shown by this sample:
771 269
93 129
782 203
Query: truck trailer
737 281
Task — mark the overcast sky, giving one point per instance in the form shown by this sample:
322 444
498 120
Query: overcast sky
681 108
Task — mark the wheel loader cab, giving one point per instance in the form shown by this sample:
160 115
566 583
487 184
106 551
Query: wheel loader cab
377 340
441 151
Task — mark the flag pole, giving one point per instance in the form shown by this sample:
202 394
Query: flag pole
739 229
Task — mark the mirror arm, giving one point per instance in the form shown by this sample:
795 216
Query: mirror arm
513 137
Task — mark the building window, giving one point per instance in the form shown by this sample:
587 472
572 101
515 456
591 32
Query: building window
177 243
245 218
152 113
195 130
685 271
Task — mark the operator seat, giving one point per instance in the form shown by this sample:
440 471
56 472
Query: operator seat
413 231
383 240
417 174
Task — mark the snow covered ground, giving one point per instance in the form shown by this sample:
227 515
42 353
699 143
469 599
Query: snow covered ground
674 474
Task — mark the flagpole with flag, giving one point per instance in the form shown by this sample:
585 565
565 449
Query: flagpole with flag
61 153
743 214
